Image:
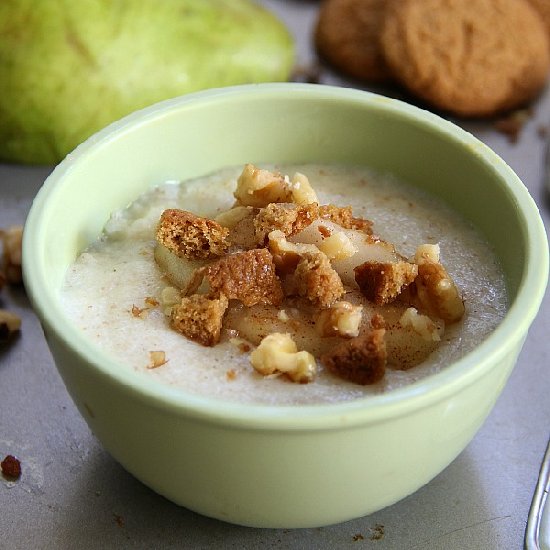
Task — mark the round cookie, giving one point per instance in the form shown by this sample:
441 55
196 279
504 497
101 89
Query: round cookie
470 57
543 9
347 36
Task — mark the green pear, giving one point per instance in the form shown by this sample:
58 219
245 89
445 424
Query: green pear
70 67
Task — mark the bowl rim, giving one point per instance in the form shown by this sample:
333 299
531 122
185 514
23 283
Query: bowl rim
360 411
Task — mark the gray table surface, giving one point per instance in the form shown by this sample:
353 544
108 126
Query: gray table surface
72 494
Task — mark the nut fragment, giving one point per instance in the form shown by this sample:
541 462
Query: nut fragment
337 246
434 291
10 324
156 359
285 217
427 253
301 190
11 467
258 187
341 319
169 297
12 239
421 324
278 354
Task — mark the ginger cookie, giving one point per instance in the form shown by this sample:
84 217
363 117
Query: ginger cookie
469 57
347 35
543 9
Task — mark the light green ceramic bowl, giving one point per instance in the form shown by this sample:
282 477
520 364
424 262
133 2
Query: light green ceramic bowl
282 466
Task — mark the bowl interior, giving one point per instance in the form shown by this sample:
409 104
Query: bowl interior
283 123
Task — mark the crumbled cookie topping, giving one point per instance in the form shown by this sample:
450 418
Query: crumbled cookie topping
285 217
199 318
277 250
342 215
246 276
316 279
192 237
361 360
382 282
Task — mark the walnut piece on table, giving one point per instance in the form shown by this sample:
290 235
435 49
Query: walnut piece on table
10 324
12 240
11 467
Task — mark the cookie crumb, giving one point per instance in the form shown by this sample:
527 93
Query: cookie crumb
189 236
357 536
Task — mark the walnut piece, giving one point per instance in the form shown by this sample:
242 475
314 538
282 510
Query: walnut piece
10 324
421 324
434 291
192 237
157 359
337 246
361 360
257 187
12 239
11 467
278 354
382 282
301 191
199 318
340 319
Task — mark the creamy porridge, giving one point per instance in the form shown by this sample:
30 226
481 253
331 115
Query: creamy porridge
117 293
